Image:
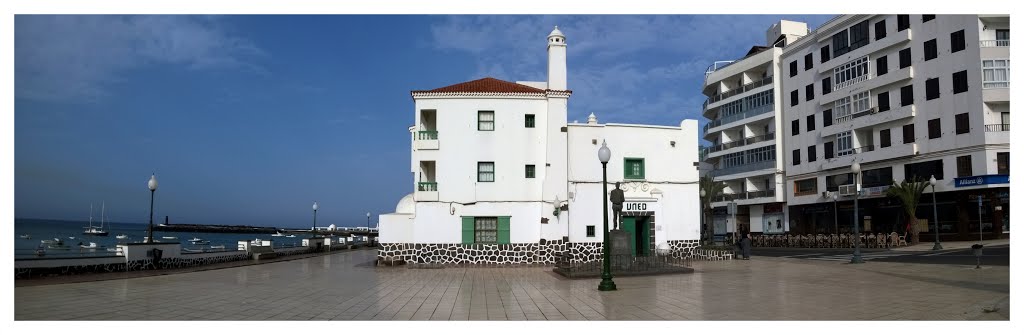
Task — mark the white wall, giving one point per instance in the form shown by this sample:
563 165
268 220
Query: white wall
396 228
435 222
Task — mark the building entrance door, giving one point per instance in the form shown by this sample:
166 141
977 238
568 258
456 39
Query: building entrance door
639 231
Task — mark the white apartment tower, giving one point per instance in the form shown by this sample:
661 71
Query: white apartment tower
745 134
908 97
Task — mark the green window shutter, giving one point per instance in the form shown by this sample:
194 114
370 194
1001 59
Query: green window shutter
468 236
642 172
503 229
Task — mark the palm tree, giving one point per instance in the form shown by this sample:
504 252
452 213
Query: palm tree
711 189
909 194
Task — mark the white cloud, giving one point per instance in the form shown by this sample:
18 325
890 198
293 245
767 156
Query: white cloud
73 58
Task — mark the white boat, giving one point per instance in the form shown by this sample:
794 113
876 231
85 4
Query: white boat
91 245
122 236
170 237
95 231
71 237
199 241
277 234
25 236
58 247
55 240
292 235
195 239
113 249
40 251
217 247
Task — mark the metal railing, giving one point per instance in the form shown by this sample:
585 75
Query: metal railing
869 111
742 168
994 43
997 127
744 196
426 135
741 142
714 67
739 90
427 186
620 265
867 148
736 117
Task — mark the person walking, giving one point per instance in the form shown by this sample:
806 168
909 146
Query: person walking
745 245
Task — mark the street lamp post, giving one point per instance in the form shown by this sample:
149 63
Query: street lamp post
316 206
856 221
152 193
703 223
367 220
935 214
604 154
835 210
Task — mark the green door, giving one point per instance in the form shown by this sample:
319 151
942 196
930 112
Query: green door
629 225
643 244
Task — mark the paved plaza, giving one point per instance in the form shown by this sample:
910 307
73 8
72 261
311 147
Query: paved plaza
345 286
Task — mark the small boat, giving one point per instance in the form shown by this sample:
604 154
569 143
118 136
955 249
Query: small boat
170 237
277 234
192 250
58 247
54 241
217 247
71 237
25 236
91 245
95 231
40 251
292 235
113 249
122 236
199 241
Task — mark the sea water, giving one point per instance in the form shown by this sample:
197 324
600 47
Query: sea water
70 232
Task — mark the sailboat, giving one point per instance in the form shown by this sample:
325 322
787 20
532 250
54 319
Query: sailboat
96 231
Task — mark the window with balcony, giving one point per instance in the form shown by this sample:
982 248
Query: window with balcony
805 187
907 95
923 170
861 102
957 41
927 17
963 166
829 150
796 127
881 65
794 98
883 101
826 118
931 49
995 73
485 172
833 182
908 133
796 157
758 100
808 61
531 171
826 86
842 110
884 138
731 160
530 121
934 128
1002 37
960 82
762 154
825 54
1003 163
876 177
963 124
792 68
485 120
634 168
812 154
905 58
879 30
852 72
732 108
931 89
809 92
844 143
810 122
902 22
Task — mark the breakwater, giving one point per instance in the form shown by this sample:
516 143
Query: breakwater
193 228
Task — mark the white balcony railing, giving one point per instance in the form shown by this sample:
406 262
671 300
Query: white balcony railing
994 43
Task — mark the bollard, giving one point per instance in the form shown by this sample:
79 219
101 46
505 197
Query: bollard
977 253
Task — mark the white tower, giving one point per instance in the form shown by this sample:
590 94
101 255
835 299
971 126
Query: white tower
556 60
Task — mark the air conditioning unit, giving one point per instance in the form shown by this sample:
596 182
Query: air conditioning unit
874 110
847 190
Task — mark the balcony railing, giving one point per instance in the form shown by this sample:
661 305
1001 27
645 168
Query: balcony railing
427 186
738 90
744 196
741 142
426 135
997 127
994 43
853 151
736 117
742 168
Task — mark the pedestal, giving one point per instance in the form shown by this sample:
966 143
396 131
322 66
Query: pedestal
621 248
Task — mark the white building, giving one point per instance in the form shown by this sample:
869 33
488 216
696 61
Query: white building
906 96
500 177
744 133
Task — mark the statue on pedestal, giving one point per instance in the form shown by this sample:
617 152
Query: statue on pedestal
617 197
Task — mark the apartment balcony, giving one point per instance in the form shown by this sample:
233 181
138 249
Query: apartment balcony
426 191
868 118
864 155
727 122
996 92
997 127
994 43
997 133
865 82
714 101
427 140
890 40
745 198
721 149
743 168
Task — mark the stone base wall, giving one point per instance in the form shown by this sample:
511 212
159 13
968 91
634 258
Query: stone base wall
712 255
175 263
683 249
507 254
20 273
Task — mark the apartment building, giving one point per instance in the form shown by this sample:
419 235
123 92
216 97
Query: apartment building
908 97
745 134
500 177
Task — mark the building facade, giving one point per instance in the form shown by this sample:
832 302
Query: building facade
744 129
908 97
500 177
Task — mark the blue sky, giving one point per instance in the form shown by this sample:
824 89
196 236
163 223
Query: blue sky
248 119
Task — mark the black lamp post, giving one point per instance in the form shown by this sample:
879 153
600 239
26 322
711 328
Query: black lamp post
152 194
703 224
315 207
935 214
856 220
605 154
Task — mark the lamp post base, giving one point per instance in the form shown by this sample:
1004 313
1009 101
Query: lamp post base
856 260
937 246
606 285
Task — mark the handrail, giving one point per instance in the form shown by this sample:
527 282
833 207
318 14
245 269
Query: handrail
742 168
997 127
744 195
993 43
750 86
426 135
741 142
867 148
736 117
427 186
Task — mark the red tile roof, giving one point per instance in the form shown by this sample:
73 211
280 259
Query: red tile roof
485 85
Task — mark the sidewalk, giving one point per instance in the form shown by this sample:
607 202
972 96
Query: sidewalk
952 245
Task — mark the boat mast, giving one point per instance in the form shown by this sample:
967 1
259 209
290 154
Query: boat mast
90 216
103 212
